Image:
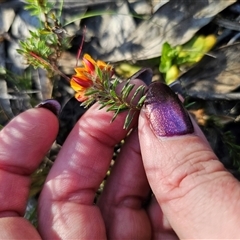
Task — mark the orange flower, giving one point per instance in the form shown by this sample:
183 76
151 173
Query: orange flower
88 75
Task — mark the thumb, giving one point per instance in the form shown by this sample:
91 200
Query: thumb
198 196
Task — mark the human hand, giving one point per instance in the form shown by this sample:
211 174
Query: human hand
198 197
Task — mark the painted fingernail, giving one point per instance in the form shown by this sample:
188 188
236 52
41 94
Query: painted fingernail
165 111
50 104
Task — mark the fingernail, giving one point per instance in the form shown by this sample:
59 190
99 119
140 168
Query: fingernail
165 111
50 104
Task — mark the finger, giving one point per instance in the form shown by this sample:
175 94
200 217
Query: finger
66 202
125 194
197 195
23 144
161 229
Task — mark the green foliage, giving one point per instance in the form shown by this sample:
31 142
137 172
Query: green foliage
37 8
106 93
21 82
173 58
44 46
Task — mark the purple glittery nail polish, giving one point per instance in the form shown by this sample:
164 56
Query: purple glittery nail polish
50 104
166 112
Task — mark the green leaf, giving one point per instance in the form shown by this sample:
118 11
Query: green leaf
116 107
59 13
91 91
98 72
125 85
137 91
127 91
115 83
119 109
168 54
129 119
108 103
141 101
113 93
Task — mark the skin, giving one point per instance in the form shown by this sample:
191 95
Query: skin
195 197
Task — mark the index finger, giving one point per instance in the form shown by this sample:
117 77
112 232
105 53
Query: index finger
68 195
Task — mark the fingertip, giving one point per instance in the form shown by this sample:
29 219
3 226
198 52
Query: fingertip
26 137
173 157
36 123
52 105
48 119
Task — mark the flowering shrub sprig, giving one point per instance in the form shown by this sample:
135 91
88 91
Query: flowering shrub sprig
94 82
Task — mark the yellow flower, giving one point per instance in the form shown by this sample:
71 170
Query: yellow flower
88 75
